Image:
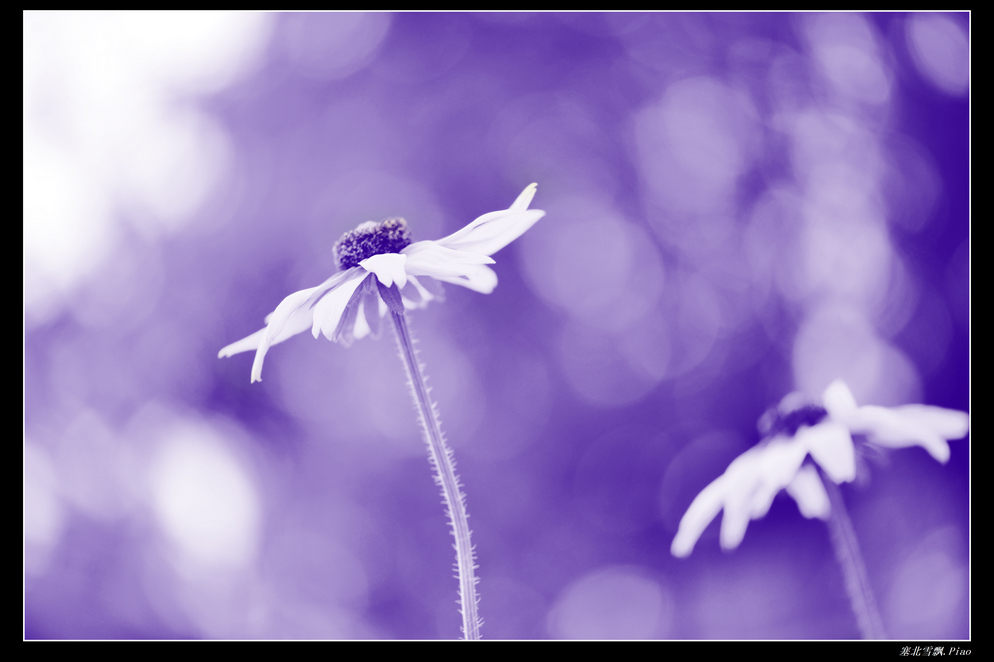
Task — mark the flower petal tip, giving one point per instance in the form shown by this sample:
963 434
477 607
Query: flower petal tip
809 493
731 544
838 399
947 423
260 355
685 540
681 549
250 343
732 532
939 451
525 198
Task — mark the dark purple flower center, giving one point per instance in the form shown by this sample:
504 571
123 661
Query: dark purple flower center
370 239
777 420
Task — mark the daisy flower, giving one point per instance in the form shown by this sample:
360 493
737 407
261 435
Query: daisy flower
808 449
795 431
378 259
380 271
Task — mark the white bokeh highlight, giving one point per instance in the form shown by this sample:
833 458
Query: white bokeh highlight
616 602
940 48
43 509
845 47
205 499
109 132
693 145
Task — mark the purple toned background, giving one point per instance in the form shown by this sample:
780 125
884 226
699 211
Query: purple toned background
738 206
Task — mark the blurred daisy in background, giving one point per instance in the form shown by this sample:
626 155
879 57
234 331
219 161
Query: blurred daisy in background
796 430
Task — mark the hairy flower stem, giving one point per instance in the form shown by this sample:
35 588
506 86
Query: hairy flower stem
440 456
851 560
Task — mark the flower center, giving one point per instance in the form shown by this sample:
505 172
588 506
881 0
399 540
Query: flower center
370 239
788 420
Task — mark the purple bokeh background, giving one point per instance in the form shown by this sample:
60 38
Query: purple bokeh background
738 206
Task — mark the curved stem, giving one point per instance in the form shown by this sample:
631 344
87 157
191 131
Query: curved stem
440 456
847 553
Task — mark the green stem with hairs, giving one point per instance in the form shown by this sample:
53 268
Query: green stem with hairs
440 456
850 559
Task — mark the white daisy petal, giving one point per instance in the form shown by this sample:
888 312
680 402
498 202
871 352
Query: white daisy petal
251 343
520 204
947 423
885 427
830 445
460 267
260 354
361 328
524 199
743 480
432 287
481 279
704 508
425 258
776 465
809 493
839 401
782 459
371 305
332 283
388 267
328 311
762 488
734 523
412 295
492 232
345 331
477 226
291 317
